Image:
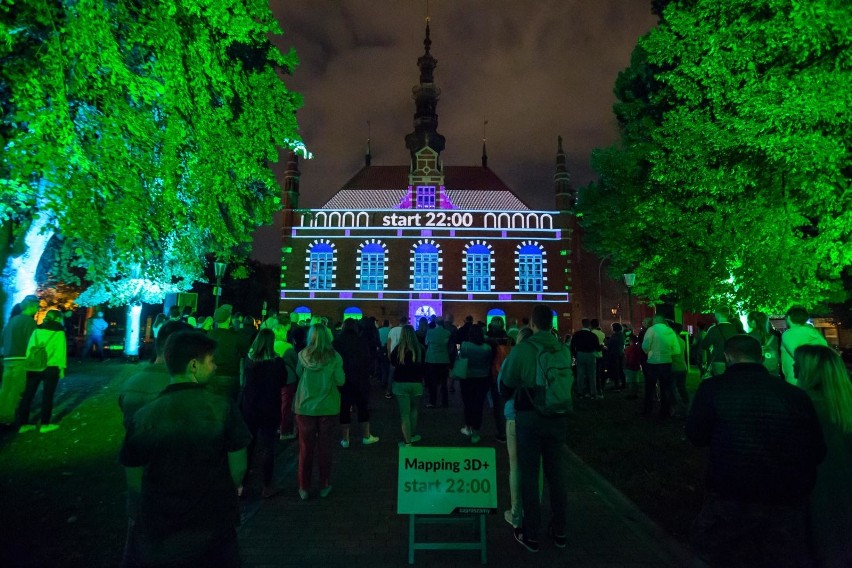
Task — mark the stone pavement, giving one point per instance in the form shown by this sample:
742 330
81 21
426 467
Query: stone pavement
357 524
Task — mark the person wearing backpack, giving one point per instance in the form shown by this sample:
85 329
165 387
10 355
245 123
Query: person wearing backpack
49 336
541 412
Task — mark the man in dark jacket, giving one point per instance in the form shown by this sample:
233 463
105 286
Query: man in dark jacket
231 348
184 453
585 346
765 444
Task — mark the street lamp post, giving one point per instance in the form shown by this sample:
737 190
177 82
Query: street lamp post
219 269
629 281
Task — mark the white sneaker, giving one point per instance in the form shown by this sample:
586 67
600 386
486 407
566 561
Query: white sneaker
466 431
48 428
371 440
344 443
26 428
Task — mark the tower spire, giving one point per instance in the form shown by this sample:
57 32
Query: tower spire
426 96
565 194
368 157
484 152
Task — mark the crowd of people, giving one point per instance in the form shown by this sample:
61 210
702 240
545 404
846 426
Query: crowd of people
290 378
775 411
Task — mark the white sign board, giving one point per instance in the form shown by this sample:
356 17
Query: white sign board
443 481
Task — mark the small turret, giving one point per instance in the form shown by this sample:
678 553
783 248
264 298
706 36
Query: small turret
566 196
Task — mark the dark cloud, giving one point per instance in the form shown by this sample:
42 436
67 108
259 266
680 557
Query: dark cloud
534 70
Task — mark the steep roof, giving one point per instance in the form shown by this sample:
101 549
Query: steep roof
468 187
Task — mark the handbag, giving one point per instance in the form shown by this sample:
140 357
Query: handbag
37 357
459 370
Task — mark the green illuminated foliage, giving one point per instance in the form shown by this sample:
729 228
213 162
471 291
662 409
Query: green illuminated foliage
144 129
731 181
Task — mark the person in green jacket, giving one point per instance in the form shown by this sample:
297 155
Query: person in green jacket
317 406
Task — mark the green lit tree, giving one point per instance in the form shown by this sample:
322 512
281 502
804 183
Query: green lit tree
731 181
138 131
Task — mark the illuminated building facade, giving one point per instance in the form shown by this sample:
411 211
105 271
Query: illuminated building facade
425 238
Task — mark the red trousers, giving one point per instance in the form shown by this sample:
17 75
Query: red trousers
316 438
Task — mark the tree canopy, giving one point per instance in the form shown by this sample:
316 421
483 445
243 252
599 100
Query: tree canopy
731 181
144 130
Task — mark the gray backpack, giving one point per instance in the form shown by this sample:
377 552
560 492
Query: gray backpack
554 379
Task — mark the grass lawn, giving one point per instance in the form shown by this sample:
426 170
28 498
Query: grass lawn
63 492
650 462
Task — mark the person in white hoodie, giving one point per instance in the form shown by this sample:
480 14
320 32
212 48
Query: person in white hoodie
799 332
660 343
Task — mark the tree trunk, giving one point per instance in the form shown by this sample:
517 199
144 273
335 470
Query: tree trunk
21 249
132 329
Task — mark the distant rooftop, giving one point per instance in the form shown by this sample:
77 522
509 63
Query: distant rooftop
468 187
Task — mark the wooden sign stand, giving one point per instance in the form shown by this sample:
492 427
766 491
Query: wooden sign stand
414 520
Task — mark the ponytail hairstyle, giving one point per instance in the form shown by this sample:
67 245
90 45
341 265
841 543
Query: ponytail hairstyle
407 342
759 324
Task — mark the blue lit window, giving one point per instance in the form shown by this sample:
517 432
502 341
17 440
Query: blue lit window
530 269
478 261
321 268
425 197
373 267
426 267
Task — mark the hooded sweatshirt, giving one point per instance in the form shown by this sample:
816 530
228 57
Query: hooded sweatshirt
317 393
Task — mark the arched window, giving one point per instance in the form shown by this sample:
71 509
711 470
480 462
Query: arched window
478 268
426 267
530 268
372 266
352 313
321 267
495 313
302 313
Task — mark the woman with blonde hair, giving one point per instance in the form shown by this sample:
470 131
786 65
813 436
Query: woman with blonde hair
407 360
317 406
821 373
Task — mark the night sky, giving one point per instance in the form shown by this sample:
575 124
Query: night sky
532 69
